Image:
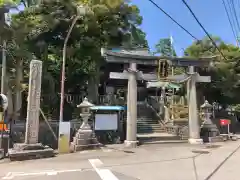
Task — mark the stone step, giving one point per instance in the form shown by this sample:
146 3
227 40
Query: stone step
75 148
164 142
146 120
149 124
141 131
154 126
154 137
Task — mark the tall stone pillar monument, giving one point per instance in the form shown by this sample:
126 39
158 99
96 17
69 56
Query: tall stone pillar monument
34 93
31 148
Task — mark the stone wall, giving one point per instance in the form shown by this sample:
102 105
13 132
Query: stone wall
45 135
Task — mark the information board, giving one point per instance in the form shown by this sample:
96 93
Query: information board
106 121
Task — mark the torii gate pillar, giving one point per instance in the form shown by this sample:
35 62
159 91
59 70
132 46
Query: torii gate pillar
194 123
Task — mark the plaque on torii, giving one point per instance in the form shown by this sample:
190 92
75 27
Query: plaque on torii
134 58
139 75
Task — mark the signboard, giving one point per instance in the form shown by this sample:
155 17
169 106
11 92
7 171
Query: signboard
225 122
64 137
106 121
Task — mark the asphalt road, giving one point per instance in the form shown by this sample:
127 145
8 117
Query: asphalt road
152 162
84 174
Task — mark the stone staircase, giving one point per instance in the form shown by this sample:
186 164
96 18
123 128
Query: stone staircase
147 121
150 129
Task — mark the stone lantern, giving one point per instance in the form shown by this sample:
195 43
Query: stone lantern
206 109
85 113
208 129
85 137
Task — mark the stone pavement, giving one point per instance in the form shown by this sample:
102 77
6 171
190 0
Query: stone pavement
148 162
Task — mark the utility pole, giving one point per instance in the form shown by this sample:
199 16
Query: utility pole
4 62
63 67
172 55
3 79
4 58
81 10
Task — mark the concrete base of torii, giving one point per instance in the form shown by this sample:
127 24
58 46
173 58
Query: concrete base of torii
131 144
195 141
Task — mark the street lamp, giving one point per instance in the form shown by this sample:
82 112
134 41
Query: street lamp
81 10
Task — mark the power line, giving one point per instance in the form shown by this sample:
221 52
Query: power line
232 16
231 13
238 5
185 3
229 20
157 6
235 14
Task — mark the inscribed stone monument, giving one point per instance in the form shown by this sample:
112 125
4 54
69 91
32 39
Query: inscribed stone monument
31 149
34 93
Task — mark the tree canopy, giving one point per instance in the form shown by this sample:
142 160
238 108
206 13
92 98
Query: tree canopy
39 32
164 47
42 29
225 72
225 75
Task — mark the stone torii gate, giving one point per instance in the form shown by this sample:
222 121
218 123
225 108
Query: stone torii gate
132 75
192 78
142 57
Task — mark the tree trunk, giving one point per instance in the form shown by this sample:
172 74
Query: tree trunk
10 99
93 85
18 89
93 89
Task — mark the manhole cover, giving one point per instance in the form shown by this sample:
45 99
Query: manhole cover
212 146
128 151
200 151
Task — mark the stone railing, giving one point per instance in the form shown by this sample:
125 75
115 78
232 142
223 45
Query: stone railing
111 100
153 101
181 131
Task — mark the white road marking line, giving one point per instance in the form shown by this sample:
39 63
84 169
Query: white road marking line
52 173
105 174
84 152
8 176
12 175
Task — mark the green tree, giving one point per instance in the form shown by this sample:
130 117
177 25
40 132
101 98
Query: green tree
39 31
8 3
225 74
165 48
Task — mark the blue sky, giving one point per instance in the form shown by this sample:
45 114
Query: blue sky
211 14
